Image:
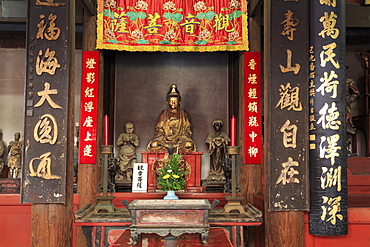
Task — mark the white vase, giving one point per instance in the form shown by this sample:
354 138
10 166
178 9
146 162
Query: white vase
171 195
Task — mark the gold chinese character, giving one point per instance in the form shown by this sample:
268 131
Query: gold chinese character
52 32
90 63
252 79
45 96
90 77
289 97
89 92
289 67
332 3
289 134
288 172
88 136
222 22
44 167
327 55
331 210
46 129
49 3
190 24
329 117
122 24
253 135
89 106
331 151
253 107
331 177
153 26
87 151
253 151
328 23
252 64
253 122
252 93
48 66
289 25
88 122
329 84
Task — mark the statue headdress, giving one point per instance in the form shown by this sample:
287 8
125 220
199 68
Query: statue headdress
173 92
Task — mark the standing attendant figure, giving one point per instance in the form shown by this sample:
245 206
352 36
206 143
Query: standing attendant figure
2 152
15 151
217 142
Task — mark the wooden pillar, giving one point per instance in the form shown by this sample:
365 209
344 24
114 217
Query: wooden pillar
285 200
89 174
50 188
251 174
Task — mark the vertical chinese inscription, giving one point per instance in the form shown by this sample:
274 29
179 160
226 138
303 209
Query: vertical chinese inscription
252 108
89 107
47 102
287 164
327 91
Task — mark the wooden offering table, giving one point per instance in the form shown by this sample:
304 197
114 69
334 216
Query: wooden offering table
164 217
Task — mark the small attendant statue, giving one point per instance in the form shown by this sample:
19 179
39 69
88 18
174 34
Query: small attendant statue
217 142
127 144
2 152
14 160
173 128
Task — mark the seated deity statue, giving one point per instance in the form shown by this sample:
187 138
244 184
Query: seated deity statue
217 142
14 160
173 128
127 144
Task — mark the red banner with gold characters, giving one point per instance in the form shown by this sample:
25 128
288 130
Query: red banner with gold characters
252 108
172 26
89 107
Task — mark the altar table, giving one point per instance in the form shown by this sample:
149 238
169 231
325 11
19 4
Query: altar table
104 229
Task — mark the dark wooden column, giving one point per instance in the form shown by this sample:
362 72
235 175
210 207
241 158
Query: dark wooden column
285 64
51 195
251 173
89 174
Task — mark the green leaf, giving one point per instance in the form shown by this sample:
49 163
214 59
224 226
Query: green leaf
135 15
209 15
165 42
235 14
113 41
142 41
108 13
201 42
231 42
176 17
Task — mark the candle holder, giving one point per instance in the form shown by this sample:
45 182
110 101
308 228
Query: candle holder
104 201
233 201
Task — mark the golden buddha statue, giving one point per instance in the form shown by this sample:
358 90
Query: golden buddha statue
173 128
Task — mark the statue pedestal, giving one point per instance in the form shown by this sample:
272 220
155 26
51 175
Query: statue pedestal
193 159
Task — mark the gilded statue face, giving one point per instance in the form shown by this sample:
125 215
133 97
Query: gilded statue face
173 102
129 129
217 126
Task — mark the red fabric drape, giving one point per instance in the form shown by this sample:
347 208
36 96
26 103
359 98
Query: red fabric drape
162 25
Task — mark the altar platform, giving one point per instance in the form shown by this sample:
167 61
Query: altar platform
104 229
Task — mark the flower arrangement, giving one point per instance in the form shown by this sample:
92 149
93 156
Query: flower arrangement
171 176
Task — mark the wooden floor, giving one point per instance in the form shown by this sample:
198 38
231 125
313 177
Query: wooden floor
217 237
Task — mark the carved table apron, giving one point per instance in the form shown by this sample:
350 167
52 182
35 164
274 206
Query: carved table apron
173 217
